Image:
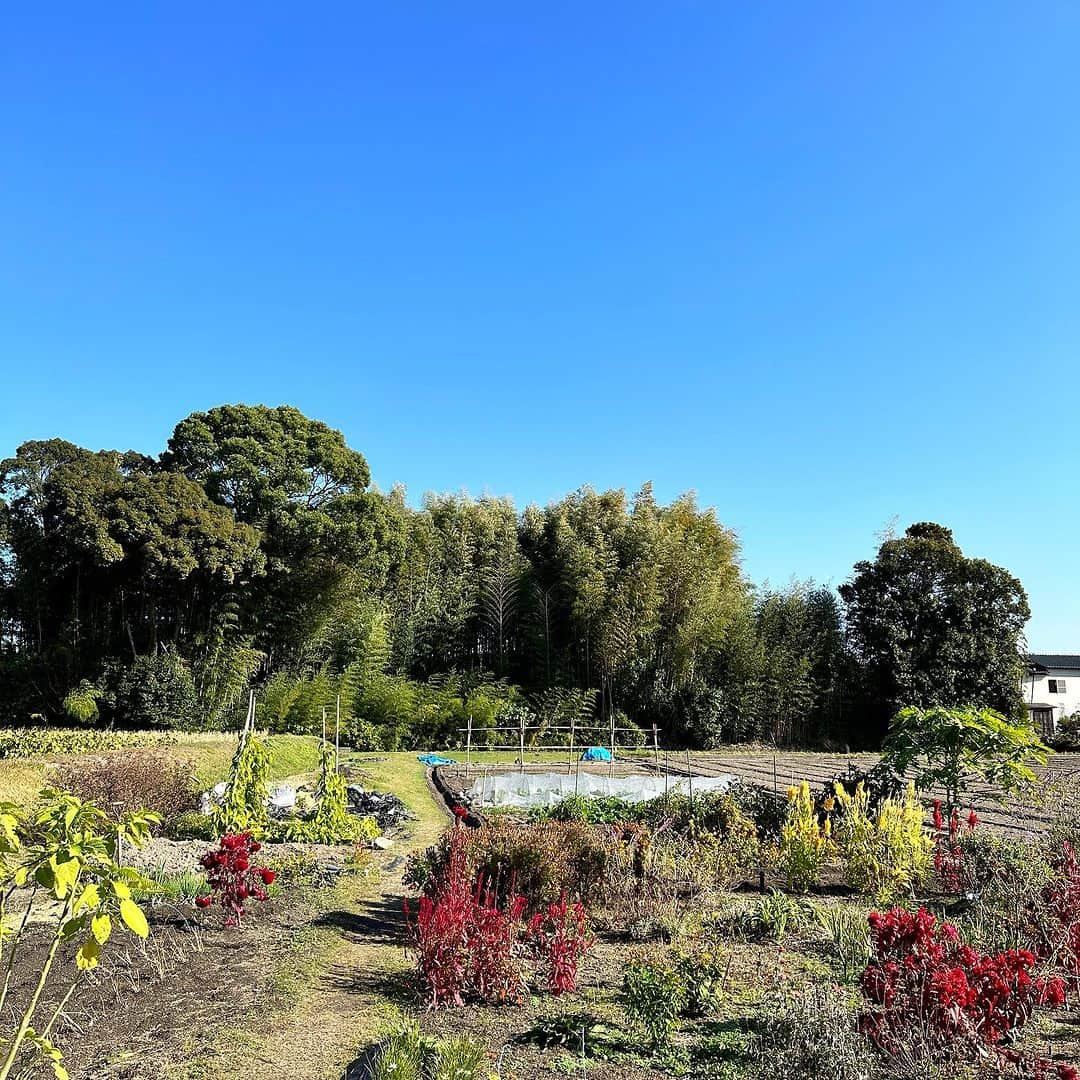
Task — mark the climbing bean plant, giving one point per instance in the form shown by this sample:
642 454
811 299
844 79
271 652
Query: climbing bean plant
243 806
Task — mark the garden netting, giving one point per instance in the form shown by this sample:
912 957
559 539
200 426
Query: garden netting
526 790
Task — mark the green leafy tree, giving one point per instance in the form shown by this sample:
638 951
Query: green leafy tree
948 748
931 626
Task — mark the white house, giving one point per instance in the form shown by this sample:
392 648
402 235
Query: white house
1051 689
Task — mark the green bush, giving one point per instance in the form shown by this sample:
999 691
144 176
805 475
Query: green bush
543 861
193 825
152 692
654 997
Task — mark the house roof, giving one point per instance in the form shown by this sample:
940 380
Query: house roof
1069 661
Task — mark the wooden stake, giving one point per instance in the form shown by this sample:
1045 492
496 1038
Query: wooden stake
468 748
689 780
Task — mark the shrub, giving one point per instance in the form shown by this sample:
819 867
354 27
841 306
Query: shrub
591 809
543 861
702 974
233 878
193 825
135 780
654 997
152 692
804 842
761 805
931 991
884 854
879 782
81 703
1006 884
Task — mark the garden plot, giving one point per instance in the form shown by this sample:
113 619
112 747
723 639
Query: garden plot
521 790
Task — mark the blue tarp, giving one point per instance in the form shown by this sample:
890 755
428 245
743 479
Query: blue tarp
435 759
596 753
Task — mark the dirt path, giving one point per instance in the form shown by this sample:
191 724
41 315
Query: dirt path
345 983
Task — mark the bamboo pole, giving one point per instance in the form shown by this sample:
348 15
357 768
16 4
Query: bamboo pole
656 748
522 743
324 725
468 748
573 732
689 780
337 733
611 764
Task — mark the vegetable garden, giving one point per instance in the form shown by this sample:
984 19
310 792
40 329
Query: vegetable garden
869 925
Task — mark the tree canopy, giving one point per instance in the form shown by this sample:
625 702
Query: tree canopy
254 552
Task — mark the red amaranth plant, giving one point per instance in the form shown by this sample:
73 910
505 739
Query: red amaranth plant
233 878
559 936
948 854
1062 899
471 947
931 990
466 945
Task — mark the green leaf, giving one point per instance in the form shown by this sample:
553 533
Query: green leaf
133 918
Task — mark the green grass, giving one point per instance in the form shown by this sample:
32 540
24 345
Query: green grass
402 774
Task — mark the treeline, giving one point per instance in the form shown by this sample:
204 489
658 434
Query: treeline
139 591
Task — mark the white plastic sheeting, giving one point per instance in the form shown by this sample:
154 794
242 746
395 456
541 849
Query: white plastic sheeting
526 790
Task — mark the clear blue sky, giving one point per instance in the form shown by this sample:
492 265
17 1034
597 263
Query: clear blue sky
818 262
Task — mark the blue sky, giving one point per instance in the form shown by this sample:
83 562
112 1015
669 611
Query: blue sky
817 262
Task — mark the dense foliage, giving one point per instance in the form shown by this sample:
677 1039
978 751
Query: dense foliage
252 553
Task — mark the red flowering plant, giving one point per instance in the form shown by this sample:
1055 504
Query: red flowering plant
1061 898
472 941
559 936
948 854
930 990
232 876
